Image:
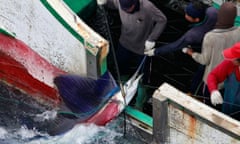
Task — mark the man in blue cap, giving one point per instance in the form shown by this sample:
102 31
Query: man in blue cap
142 24
203 19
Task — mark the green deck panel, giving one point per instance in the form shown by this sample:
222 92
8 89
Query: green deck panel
140 116
83 8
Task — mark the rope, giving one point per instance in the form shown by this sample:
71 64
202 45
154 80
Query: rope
115 62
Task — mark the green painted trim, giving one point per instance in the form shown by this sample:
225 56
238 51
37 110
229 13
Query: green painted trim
71 30
83 8
140 116
216 5
104 66
6 32
77 5
237 21
62 21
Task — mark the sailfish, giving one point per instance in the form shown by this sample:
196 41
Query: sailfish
78 99
94 101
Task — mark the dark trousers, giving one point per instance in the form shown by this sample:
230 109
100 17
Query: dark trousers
129 61
197 83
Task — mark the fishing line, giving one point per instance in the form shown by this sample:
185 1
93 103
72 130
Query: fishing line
172 63
150 70
115 62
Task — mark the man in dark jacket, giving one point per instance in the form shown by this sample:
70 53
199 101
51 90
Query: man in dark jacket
204 20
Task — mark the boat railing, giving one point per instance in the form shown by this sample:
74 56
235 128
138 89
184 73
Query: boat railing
178 117
96 46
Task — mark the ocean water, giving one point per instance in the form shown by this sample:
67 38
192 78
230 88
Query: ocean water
80 134
23 121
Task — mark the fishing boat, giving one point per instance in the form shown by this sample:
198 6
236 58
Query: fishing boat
44 46
41 41
178 118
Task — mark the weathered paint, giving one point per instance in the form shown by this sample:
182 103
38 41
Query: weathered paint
24 69
44 47
33 24
192 127
193 122
91 41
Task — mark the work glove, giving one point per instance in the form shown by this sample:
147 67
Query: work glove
149 52
185 50
216 98
149 45
101 2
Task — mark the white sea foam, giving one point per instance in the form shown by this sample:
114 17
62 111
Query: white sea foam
25 133
3 133
80 134
47 115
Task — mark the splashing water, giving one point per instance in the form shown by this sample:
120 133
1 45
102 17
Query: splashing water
47 115
3 133
19 114
80 134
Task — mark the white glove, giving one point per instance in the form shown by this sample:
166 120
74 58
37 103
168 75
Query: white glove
101 2
149 45
149 52
184 50
216 98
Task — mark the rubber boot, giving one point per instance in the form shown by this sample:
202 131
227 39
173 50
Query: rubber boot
141 97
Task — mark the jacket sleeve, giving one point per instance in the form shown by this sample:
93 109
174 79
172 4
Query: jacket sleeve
219 74
207 49
171 47
161 21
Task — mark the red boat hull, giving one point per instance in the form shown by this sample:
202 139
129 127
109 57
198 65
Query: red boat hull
18 63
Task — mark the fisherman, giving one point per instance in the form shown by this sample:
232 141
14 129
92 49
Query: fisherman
203 19
202 23
224 35
228 71
142 24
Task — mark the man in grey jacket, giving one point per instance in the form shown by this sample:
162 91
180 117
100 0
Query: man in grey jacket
142 24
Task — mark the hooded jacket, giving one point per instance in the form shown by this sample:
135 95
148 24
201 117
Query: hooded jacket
193 36
218 39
